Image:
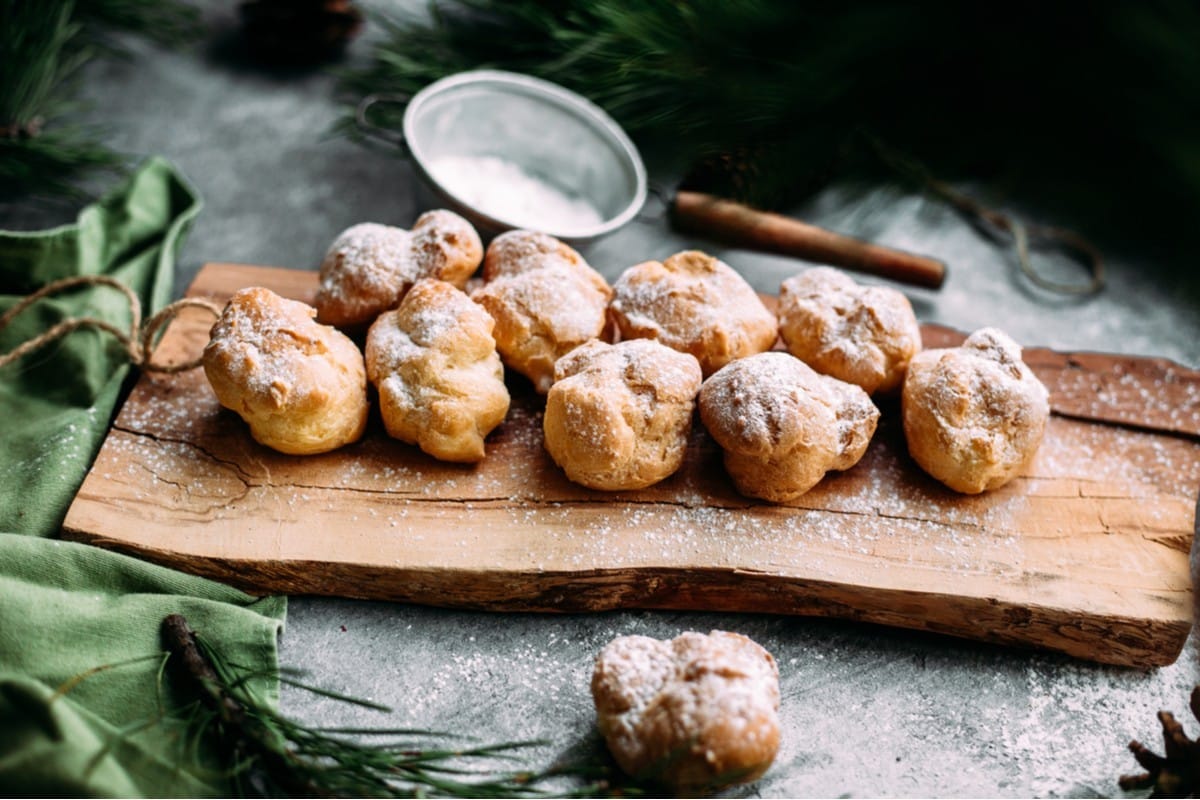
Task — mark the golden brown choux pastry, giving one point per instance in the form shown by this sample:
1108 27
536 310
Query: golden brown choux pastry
974 415
695 713
370 267
695 304
545 299
863 335
440 380
618 416
783 426
520 251
299 385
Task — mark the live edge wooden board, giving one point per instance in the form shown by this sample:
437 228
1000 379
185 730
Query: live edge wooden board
1085 554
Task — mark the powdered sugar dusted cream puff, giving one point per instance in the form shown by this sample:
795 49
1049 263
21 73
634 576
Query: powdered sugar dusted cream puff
370 267
864 335
783 426
618 416
974 415
299 385
695 304
545 299
440 380
695 713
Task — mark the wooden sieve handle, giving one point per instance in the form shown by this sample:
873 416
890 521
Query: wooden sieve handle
741 225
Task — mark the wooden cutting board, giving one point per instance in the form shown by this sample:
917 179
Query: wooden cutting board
1085 554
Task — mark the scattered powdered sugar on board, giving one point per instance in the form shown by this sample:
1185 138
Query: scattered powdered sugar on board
1134 391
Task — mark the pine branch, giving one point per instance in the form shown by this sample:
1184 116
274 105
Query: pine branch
34 41
43 47
228 733
51 164
779 89
169 23
270 755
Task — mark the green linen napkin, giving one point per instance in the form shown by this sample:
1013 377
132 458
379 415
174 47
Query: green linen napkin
67 608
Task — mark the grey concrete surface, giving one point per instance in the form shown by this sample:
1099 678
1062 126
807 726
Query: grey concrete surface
866 711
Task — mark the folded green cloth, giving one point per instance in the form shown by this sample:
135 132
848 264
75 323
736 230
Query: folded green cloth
67 608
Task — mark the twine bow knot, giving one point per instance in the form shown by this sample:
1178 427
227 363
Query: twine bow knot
138 340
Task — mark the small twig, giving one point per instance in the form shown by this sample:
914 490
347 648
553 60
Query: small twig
181 642
243 738
138 340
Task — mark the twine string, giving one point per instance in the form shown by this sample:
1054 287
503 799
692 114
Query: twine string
138 340
1022 234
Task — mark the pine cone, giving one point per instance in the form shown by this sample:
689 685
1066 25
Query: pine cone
1177 774
299 31
734 173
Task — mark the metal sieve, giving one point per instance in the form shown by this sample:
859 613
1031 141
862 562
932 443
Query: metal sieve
553 136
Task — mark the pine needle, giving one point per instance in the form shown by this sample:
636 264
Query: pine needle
266 754
1102 130
43 47
68 685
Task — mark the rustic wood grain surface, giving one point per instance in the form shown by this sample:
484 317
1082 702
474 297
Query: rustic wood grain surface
1086 553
